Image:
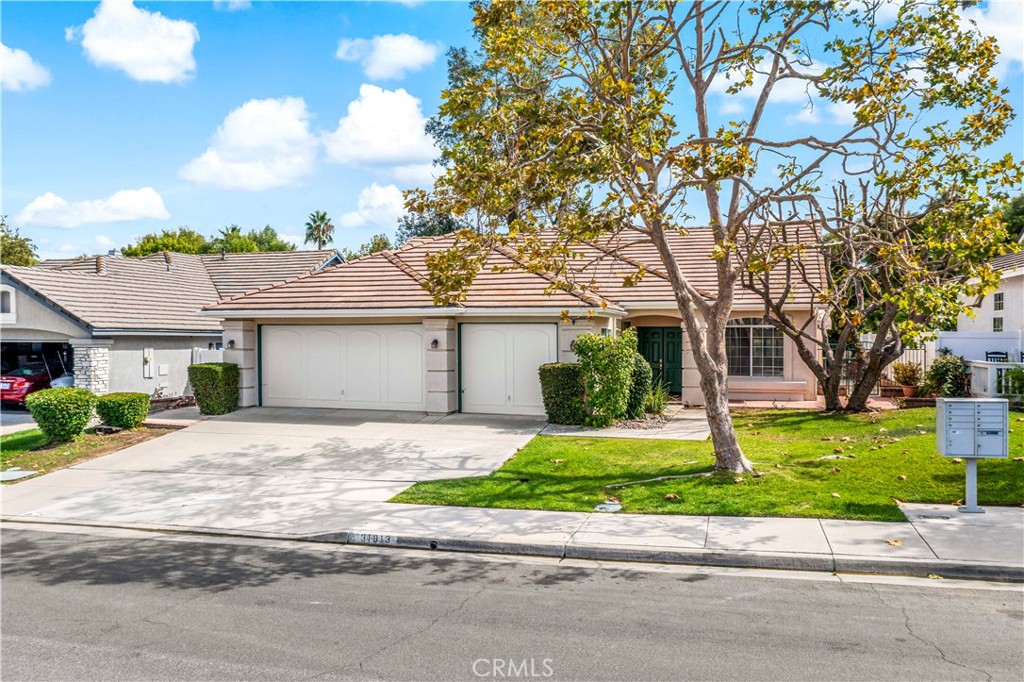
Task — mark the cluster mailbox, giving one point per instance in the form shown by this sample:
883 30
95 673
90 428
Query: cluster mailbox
973 429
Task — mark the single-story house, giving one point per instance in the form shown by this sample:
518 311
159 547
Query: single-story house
130 324
366 334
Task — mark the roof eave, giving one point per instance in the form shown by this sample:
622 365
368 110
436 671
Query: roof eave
526 311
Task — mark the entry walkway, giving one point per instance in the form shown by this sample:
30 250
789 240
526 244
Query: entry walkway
682 424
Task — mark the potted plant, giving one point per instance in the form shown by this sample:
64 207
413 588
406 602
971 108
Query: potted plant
908 375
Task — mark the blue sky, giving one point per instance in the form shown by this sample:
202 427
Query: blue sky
121 119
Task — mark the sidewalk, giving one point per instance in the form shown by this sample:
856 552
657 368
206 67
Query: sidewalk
938 540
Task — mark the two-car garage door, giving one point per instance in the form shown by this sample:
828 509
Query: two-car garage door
383 366
360 366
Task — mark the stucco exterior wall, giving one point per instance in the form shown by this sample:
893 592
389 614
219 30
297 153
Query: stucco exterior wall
34 321
167 369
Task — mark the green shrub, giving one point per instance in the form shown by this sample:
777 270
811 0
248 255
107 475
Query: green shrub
948 377
639 387
215 385
561 384
1013 384
62 413
607 364
657 399
123 410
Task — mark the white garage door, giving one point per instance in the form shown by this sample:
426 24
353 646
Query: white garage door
499 366
359 366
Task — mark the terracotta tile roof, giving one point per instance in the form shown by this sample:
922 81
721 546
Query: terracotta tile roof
394 279
158 292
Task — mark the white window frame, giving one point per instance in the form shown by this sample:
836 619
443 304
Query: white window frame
998 301
997 324
12 316
753 323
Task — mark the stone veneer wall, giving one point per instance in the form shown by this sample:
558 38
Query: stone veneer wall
92 364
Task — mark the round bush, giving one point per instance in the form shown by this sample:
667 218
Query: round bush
561 385
123 410
640 387
62 413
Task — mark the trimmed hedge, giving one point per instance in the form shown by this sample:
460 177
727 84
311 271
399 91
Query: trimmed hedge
123 410
215 385
639 388
607 364
62 413
561 384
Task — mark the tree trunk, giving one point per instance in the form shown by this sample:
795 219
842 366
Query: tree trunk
709 352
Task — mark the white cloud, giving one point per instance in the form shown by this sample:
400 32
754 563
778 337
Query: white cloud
417 174
19 72
1004 21
146 45
378 205
262 144
231 5
388 56
381 128
50 210
104 241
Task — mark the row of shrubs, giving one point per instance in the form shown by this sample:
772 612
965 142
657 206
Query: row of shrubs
63 413
611 381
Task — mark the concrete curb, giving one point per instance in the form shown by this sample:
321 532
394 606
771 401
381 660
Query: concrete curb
619 553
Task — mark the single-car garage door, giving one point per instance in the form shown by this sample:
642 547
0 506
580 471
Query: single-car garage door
359 366
499 366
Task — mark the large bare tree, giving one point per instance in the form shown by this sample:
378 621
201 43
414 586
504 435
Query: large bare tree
617 121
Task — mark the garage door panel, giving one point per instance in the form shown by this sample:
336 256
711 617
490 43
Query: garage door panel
325 365
500 364
530 349
484 368
364 366
358 366
405 367
285 368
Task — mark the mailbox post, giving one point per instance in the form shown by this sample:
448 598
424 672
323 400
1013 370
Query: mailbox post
972 429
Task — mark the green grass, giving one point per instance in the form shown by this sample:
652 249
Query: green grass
569 474
31 450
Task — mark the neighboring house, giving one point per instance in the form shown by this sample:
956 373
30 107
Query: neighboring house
998 325
366 334
127 324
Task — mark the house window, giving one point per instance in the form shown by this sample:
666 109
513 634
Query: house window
997 301
8 309
754 349
997 324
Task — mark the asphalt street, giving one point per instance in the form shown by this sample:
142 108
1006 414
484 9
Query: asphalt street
124 605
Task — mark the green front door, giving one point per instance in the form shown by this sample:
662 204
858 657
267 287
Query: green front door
663 348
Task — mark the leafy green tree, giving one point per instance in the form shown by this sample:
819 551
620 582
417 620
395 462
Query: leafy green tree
378 242
181 240
15 249
268 239
599 121
232 240
1012 216
319 229
427 224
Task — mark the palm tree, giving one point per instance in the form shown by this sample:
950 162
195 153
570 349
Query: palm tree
319 229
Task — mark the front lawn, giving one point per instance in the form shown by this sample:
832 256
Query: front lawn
29 450
871 460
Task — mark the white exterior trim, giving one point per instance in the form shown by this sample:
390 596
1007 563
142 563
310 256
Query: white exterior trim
289 313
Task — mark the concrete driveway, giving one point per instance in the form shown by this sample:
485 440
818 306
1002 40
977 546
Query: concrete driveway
272 469
14 419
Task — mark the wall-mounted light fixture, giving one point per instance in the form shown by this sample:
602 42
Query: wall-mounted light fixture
231 343
434 344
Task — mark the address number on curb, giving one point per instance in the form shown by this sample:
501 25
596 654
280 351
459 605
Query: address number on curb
374 539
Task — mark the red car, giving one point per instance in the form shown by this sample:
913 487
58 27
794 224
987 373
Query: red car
18 383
